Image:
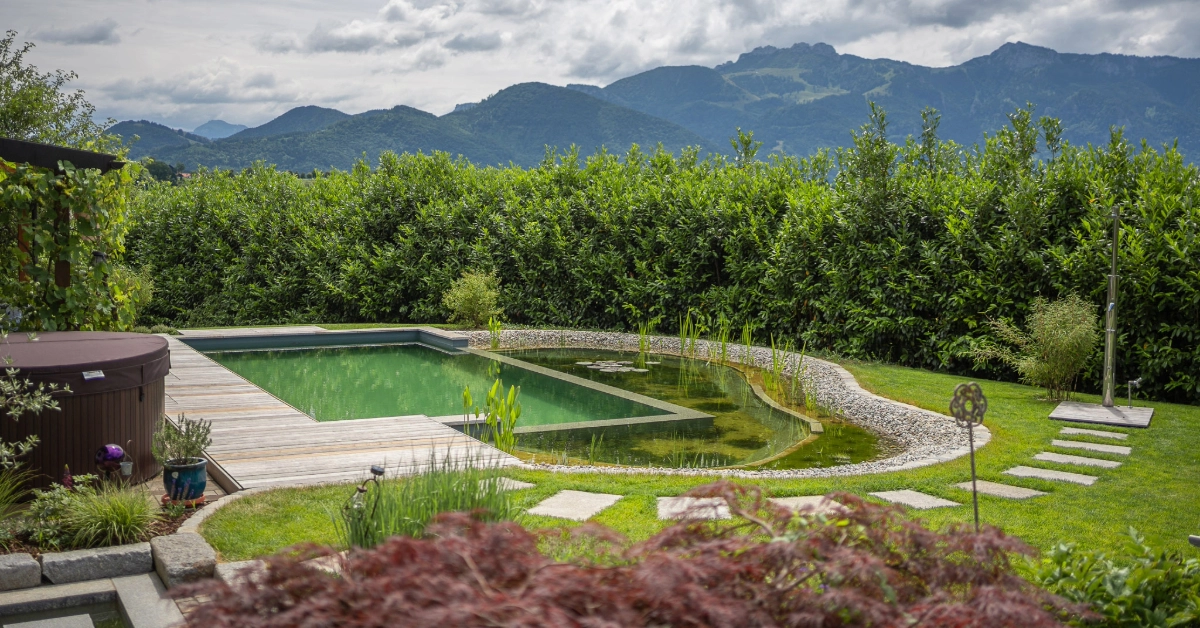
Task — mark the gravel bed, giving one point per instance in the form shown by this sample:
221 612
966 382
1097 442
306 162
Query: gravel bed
924 437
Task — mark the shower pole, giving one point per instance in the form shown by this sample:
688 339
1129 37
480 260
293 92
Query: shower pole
1110 319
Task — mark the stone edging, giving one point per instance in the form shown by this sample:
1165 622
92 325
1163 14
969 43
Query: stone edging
925 437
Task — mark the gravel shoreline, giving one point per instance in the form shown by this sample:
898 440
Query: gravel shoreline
925 437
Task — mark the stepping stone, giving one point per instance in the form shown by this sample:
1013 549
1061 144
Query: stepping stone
508 484
914 499
1046 456
1100 433
574 505
1194 540
1106 449
1048 474
74 621
813 504
1001 490
693 508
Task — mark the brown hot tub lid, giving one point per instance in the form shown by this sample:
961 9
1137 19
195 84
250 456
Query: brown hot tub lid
89 361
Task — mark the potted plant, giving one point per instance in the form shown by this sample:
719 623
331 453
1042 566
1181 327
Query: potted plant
179 447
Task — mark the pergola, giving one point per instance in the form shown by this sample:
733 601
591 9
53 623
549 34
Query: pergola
49 156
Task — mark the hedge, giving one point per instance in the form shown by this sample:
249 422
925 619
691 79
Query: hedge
897 252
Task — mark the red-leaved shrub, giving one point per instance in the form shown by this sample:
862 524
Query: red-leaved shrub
867 566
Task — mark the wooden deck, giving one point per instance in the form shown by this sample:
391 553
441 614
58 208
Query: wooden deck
260 441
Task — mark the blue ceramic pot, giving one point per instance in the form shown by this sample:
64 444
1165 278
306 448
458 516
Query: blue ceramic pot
185 482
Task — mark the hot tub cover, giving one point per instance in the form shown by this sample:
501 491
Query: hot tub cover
126 360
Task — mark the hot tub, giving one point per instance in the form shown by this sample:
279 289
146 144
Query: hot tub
117 397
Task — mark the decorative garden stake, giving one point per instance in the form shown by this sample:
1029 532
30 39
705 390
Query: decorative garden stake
967 406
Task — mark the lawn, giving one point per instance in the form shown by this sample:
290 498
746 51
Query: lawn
1155 489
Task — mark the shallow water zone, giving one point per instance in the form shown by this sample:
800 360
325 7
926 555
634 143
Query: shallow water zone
743 431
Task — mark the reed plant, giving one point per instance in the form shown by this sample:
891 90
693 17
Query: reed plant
747 342
723 329
595 448
379 510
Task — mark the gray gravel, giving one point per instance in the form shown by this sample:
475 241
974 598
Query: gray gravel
922 437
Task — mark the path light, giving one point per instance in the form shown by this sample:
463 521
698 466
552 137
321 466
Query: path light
967 406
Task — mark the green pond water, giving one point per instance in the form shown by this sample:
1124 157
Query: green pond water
744 429
337 383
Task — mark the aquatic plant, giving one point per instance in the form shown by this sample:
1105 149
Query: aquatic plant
747 343
502 414
723 329
494 333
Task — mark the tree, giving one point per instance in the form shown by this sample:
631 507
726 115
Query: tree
35 106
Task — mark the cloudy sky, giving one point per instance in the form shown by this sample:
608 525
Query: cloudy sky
182 63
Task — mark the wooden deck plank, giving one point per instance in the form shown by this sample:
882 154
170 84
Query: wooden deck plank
261 441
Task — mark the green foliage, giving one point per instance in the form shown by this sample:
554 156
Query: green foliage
472 298
33 239
111 515
45 519
183 443
494 333
502 412
902 253
12 492
1141 587
35 106
405 506
1062 337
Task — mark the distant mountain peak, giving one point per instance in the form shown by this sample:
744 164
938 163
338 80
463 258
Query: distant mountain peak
217 129
1020 55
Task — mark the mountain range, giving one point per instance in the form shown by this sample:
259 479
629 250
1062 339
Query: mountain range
796 100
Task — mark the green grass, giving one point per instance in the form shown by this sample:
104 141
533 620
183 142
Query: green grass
1155 490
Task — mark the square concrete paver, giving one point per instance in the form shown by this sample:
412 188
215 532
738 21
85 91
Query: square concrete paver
814 504
693 508
1105 449
1046 456
509 484
1116 416
996 489
74 621
1077 431
1048 474
915 499
574 505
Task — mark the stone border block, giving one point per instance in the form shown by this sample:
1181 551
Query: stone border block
145 603
94 564
182 558
19 571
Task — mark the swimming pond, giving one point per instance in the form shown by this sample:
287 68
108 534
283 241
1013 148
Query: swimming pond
365 382
744 430
579 406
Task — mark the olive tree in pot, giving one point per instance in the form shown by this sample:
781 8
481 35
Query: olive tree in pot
179 447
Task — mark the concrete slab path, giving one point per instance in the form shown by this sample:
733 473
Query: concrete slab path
693 508
1076 431
814 504
574 505
1120 450
1048 474
996 489
1047 456
914 499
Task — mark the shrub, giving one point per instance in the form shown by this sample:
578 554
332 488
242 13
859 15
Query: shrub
871 566
1149 588
472 299
406 506
164 329
45 519
183 443
1061 339
141 329
112 515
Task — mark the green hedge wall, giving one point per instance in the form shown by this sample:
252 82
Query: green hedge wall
899 252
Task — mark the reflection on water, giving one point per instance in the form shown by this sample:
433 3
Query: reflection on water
744 430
